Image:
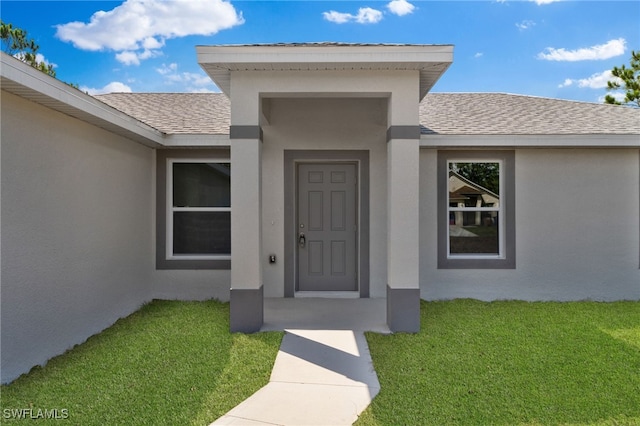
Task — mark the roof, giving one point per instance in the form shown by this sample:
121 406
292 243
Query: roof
29 83
176 113
506 114
431 61
440 114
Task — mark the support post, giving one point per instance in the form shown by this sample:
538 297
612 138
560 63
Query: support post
403 242
247 302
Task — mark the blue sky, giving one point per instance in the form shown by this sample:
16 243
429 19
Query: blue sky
550 48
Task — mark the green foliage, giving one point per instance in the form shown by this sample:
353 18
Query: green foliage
510 363
170 363
486 175
16 43
628 79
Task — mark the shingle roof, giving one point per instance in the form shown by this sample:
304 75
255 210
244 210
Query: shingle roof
440 113
506 114
176 113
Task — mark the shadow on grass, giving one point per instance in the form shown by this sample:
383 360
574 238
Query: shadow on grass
511 363
168 363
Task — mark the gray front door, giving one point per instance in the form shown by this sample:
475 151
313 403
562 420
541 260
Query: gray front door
327 227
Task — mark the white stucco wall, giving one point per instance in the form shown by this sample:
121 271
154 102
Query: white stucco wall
577 230
76 234
330 124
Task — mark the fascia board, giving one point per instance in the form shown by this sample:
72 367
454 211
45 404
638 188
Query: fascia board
196 141
29 83
530 141
265 56
431 60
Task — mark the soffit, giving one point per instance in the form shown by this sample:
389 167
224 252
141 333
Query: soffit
28 83
430 60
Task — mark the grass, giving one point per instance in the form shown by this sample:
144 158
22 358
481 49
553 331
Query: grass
473 363
172 363
510 363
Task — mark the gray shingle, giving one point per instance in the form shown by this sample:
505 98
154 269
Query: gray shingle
506 114
440 113
176 113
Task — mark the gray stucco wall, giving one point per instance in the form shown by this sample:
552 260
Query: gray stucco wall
191 284
577 230
76 232
185 283
330 124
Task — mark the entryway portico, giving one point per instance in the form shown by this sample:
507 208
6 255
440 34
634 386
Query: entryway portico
334 127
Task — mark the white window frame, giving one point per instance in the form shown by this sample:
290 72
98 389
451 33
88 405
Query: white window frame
506 259
170 209
499 210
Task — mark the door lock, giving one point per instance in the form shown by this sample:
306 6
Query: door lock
302 240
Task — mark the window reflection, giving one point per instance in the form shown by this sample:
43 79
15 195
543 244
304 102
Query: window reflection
474 205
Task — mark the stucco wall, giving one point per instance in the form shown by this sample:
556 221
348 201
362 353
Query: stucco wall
186 284
577 230
191 284
332 124
76 231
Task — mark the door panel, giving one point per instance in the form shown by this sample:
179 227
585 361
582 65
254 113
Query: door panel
327 227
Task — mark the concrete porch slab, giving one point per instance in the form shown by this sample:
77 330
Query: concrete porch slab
325 314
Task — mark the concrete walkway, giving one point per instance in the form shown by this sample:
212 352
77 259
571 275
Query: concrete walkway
323 373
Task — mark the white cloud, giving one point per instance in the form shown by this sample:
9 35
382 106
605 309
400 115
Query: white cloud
595 81
541 2
203 90
400 7
151 43
525 25
337 17
190 81
366 15
478 55
610 49
618 96
567 82
168 69
128 58
39 58
113 87
142 26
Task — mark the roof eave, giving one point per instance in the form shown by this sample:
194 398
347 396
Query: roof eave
512 141
27 82
220 61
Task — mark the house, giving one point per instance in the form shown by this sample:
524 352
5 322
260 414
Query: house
320 169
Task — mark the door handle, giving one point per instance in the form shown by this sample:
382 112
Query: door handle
302 240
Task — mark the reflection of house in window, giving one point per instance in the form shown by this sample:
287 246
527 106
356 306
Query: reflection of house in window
465 194
473 211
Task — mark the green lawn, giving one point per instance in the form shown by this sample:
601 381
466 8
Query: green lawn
475 363
510 363
170 363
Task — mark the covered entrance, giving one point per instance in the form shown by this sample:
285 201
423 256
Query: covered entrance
325 156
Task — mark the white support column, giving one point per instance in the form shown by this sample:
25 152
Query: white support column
247 313
403 244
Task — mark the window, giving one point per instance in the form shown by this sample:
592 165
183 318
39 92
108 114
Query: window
193 210
199 203
476 195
